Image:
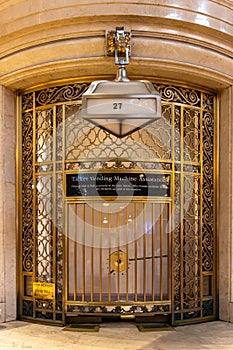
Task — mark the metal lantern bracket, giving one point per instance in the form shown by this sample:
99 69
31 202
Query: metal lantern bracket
119 45
121 106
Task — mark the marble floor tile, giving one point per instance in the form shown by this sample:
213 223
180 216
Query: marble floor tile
120 336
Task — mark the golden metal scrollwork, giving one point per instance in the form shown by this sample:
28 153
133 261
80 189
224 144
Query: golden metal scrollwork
182 145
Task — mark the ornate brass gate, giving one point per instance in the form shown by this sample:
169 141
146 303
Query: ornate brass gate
159 251
125 273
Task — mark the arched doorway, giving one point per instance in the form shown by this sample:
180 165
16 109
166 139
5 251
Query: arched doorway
130 254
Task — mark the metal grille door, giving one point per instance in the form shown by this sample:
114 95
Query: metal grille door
82 253
118 256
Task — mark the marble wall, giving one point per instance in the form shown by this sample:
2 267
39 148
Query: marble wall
8 263
188 40
45 42
225 221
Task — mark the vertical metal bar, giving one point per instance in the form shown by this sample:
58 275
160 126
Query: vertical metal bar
200 129
100 257
92 252
66 257
161 250
169 262
136 256
75 251
216 210
182 261
83 253
109 253
35 238
53 250
127 254
19 201
144 252
118 247
64 216
153 255
172 217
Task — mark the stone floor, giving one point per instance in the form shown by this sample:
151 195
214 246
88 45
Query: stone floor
120 336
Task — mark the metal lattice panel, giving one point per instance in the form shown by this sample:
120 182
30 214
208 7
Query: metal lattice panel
55 140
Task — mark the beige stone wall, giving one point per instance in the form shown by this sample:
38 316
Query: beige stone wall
7 206
43 41
225 227
188 41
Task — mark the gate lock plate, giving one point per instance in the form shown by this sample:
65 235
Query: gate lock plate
118 261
